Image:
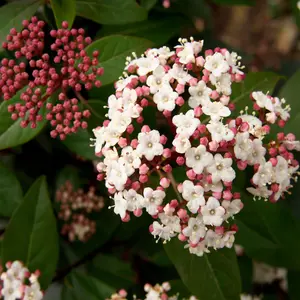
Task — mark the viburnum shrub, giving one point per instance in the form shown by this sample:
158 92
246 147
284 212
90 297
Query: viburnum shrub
19 283
197 131
63 73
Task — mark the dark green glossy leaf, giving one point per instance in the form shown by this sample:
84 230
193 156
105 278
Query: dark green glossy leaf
64 10
87 287
98 112
293 285
157 31
112 270
80 144
215 276
148 4
259 81
113 52
290 91
11 133
13 14
111 11
31 235
11 194
267 232
295 9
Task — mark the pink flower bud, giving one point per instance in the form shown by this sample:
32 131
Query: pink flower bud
179 101
200 61
217 195
198 112
213 146
143 178
191 174
134 143
182 237
180 160
165 182
122 142
214 95
182 213
179 88
219 230
242 165
193 81
167 113
143 169
126 218
163 139
167 153
146 128
273 161
167 168
138 212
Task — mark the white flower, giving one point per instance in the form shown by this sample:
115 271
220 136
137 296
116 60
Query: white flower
193 194
177 72
212 212
33 292
149 144
99 134
281 170
195 229
158 79
189 51
165 98
257 153
111 135
255 125
260 192
116 175
221 169
211 238
134 200
232 60
264 174
17 270
220 132
12 289
222 83
163 232
216 64
181 144
172 221
198 158
263 100
186 123
162 54
232 207
110 155
130 159
146 65
199 250
242 146
199 94
216 110
122 83
120 121
120 206
114 105
152 199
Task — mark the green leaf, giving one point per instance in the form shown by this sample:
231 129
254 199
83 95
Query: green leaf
111 11
148 4
79 143
113 52
31 235
87 287
246 270
157 31
11 132
235 2
214 276
64 10
69 173
290 91
263 235
13 14
112 270
98 112
10 191
259 81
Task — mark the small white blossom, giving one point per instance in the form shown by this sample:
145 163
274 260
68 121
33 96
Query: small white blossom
216 64
149 144
264 174
195 229
216 110
222 83
130 159
178 73
134 200
152 199
146 65
116 175
220 132
120 206
221 169
212 212
165 98
242 146
199 94
194 194
186 123
181 144
198 158
158 79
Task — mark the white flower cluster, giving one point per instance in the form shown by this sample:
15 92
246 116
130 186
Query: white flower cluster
14 284
156 292
197 135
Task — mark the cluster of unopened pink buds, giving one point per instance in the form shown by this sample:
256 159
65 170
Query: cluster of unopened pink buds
19 283
198 136
75 208
39 75
152 292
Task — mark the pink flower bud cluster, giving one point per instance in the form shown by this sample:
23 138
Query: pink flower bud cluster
198 137
44 75
75 209
19 283
157 291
